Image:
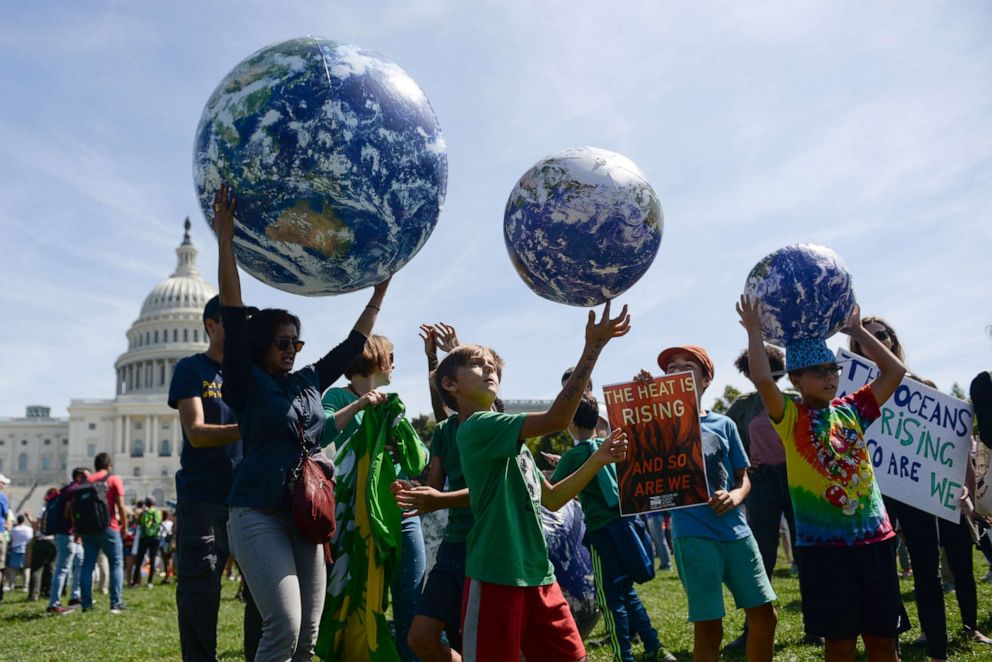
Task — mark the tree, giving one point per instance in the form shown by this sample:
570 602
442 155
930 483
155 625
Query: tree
424 425
722 403
958 392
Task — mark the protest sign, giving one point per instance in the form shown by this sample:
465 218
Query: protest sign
664 468
920 445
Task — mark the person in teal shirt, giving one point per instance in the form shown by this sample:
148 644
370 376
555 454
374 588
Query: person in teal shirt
345 410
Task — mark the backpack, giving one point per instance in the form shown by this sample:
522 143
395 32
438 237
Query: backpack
150 522
53 519
90 507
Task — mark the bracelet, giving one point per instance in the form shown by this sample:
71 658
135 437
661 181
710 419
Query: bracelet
377 308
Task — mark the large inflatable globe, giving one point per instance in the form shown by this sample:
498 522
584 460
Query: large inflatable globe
804 291
582 226
337 161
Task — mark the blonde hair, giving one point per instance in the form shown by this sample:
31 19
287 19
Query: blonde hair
460 357
376 355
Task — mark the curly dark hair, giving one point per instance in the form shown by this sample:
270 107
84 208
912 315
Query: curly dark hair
776 359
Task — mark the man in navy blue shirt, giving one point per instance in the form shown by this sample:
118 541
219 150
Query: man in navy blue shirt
210 454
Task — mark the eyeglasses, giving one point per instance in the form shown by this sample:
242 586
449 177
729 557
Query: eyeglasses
282 343
824 370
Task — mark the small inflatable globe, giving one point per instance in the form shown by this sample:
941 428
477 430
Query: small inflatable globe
582 226
563 531
337 161
804 292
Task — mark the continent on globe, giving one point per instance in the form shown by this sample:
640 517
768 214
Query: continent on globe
336 157
804 292
582 226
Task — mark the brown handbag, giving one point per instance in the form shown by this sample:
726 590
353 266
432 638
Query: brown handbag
311 488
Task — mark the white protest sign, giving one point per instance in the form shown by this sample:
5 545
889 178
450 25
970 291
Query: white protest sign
920 445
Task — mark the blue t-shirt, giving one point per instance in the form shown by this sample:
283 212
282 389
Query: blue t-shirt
206 474
4 509
724 456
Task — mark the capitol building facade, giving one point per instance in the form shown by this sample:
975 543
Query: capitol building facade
137 427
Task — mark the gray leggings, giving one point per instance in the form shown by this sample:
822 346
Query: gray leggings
287 579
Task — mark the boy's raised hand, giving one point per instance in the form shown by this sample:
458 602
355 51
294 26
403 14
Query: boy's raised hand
601 332
853 323
430 340
446 337
747 308
225 204
613 449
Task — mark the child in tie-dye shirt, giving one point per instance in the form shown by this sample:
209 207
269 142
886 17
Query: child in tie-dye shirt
844 540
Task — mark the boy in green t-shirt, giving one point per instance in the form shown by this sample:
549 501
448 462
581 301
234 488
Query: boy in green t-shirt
512 603
608 537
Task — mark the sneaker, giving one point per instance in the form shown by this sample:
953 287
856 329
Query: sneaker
148 585
60 611
118 608
75 602
740 643
660 654
976 637
813 640
948 587
920 641
988 576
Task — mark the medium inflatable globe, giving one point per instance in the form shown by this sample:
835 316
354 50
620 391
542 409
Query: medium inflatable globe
582 226
563 531
337 161
804 292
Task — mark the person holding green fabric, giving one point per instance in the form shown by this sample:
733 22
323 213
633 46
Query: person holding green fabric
373 547
608 536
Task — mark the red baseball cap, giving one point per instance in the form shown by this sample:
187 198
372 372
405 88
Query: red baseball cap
696 352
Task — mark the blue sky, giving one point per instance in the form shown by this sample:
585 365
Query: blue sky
866 127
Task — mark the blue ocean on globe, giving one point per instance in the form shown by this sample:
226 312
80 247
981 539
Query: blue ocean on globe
336 158
582 226
804 292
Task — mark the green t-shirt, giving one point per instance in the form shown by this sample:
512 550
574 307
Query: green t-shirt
444 445
506 545
594 509
333 400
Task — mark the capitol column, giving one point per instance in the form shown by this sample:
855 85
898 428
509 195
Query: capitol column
153 435
150 434
126 446
119 433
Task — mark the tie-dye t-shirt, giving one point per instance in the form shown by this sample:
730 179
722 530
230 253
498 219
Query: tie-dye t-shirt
834 493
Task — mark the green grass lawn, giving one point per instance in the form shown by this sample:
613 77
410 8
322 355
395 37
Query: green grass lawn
147 630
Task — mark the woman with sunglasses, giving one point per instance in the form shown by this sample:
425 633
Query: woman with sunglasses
344 408
275 407
924 534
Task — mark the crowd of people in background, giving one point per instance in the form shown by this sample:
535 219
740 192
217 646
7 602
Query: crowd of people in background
250 420
45 557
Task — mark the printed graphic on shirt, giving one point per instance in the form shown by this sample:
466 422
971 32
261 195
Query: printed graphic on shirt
714 454
211 389
528 471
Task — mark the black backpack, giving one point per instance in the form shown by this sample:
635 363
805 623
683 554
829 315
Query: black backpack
53 520
90 508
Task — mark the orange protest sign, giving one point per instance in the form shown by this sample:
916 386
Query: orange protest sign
664 468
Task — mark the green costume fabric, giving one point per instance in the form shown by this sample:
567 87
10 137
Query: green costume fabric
366 546
600 499
150 521
444 446
506 546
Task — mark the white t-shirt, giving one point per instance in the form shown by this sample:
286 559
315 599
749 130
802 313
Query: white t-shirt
166 529
20 536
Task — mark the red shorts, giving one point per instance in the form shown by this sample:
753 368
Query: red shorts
500 622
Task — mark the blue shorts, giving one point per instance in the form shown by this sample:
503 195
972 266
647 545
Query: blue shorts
442 596
15 560
705 565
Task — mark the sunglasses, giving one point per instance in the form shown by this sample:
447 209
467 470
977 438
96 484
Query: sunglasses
282 343
882 335
824 370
